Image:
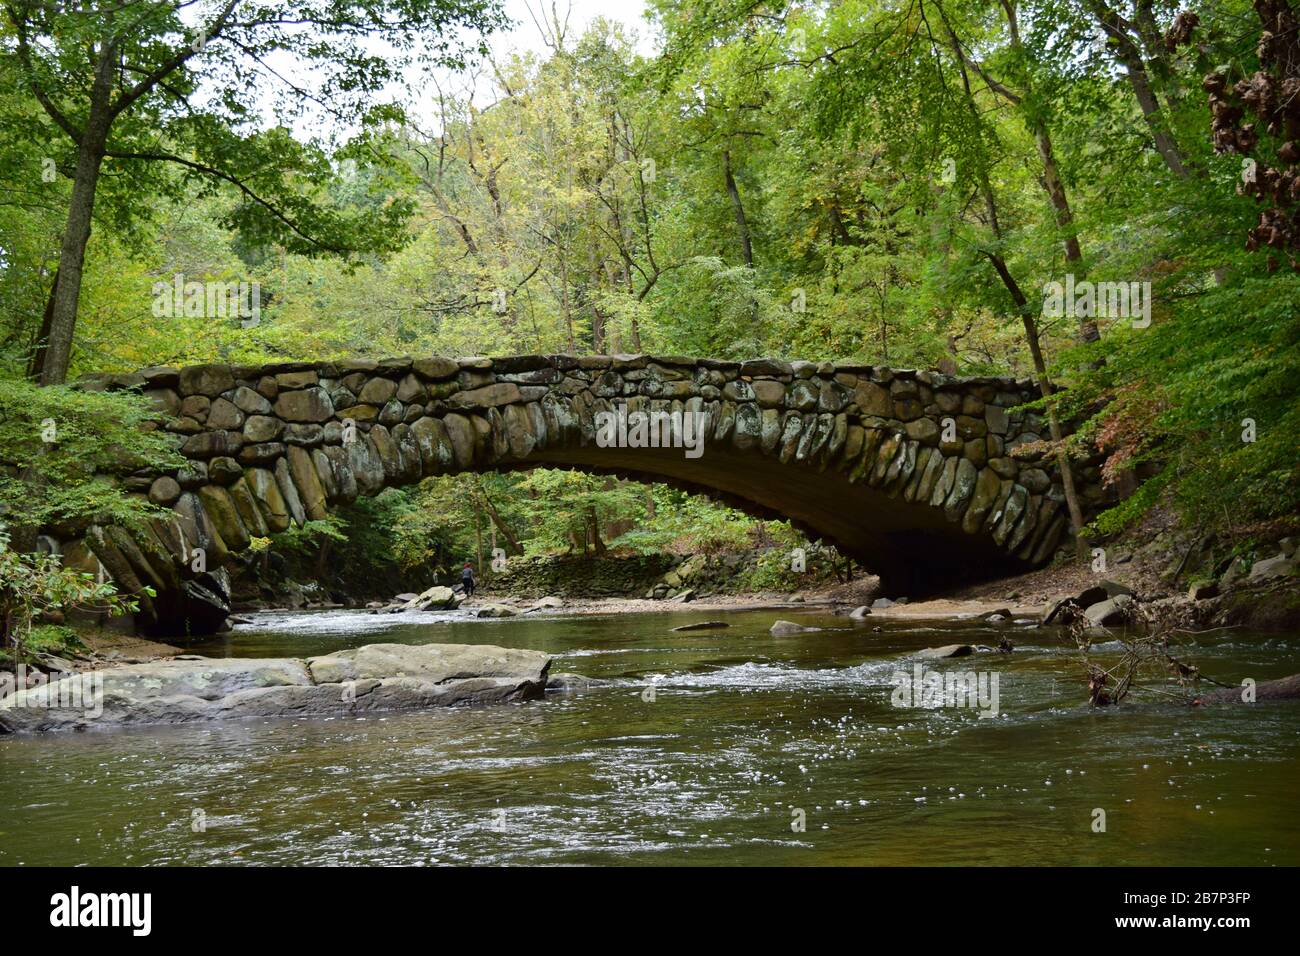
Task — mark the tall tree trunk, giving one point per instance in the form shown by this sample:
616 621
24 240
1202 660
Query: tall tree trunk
72 255
511 538
1045 389
478 538
1140 80
1052 183
593 530
1031 330
742 223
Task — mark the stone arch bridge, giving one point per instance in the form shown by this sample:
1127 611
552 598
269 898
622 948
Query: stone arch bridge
924 478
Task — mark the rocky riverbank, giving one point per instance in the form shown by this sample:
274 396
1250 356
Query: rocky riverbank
371 679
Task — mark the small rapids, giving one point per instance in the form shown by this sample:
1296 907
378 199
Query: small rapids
727 746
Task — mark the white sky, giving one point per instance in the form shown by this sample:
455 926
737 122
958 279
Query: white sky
525 35
530 19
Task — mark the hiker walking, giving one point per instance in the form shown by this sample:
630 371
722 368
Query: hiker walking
467 579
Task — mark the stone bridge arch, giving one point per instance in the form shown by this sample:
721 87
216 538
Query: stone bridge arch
924 478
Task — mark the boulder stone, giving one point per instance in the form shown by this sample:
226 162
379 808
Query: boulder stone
435 597
164 491
262 428
307 405
224 414
488 396
785 628
209 380
308 483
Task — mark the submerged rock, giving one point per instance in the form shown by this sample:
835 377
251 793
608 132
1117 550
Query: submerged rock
569 682
370 679
702 626
948 650
782 628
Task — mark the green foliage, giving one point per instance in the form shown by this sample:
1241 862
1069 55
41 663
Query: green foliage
54 639
309 537
61 451
31 583
827 182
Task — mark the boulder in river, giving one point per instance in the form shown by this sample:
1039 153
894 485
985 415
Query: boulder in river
435 597
1061 609
784 628
569 682
1109 612
372 679
858 613
495 610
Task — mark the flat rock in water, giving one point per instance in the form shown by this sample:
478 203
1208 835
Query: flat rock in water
948 650
372 679
702 626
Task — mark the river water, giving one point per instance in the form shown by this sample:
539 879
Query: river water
742 737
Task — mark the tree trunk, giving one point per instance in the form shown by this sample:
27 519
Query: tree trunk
593 530
37 362
1031 331
72 255
1140 80
1045 389
742 223
511 538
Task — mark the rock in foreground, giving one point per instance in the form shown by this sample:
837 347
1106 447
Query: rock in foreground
363 680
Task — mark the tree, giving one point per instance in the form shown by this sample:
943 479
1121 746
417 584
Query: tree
139 84
34 583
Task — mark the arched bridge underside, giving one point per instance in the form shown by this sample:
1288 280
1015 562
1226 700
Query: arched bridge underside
924 478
